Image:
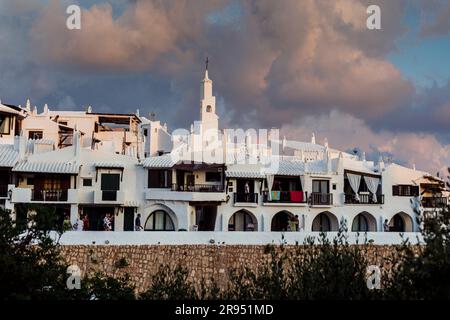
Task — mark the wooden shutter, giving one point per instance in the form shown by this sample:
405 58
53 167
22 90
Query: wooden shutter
153 178
395 190
415 191
169 179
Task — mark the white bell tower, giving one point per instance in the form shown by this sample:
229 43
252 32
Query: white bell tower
208 116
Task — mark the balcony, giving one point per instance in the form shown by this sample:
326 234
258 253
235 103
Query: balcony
243 199
203 192
198 188
3 191
285 197
49 195
28 195
321 199
434 202
364 198
109 197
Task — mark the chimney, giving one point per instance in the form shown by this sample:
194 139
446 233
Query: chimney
340 163
20 145
380 164
77 146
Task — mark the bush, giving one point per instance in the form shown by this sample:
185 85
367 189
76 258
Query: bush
323 270
170 284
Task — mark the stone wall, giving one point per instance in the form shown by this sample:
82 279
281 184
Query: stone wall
206 261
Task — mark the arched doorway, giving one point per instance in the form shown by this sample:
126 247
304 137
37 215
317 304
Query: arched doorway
325 222
364 222
159 220
242 220
401 222
280 221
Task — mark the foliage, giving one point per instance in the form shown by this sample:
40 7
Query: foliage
170 284
30 263
101 287
323 270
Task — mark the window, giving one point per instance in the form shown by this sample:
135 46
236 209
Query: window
110 182
159 221
87 182
159 178
35 135
208 109
213 177
145 132
5 124
64 123
405 191
321 186
30 181
363 186
360 224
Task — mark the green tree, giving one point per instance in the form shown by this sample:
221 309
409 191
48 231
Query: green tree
30 263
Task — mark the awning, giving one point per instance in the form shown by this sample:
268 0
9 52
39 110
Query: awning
196 166
164 161
109 165
47 167
251 171
8 156
131 204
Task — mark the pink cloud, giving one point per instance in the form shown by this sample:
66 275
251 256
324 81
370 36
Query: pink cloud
345 132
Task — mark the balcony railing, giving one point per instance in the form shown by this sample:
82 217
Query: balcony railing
285 197
321 199
49 195
3 191
434 202
363 199
246 197
198 188
109 195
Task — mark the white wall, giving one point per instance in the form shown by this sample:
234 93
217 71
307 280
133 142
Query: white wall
219 238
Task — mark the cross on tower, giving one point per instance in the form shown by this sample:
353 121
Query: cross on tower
207 61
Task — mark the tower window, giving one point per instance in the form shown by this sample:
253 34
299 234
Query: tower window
208 109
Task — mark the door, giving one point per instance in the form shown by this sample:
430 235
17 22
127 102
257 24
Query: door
96 216
190 182
206 217
321 190
110 184
128 219
180 180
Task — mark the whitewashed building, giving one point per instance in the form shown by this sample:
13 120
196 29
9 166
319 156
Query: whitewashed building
91 164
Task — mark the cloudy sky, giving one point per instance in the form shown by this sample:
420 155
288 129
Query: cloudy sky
301 65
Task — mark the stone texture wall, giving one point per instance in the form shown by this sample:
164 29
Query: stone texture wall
201 260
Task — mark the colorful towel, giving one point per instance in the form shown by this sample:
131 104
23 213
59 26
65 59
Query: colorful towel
276 195
296 196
